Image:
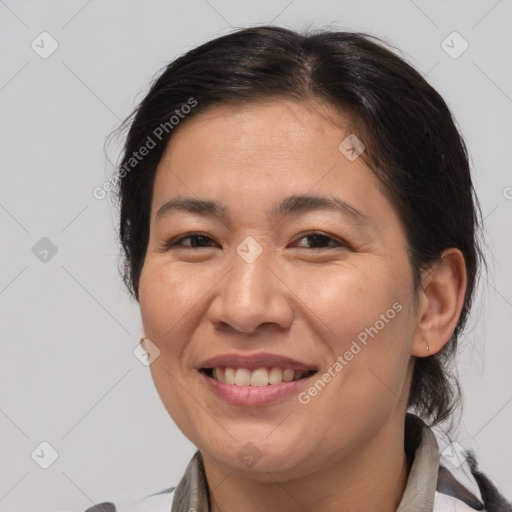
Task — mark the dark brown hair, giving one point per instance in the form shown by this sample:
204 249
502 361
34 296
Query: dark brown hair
412 145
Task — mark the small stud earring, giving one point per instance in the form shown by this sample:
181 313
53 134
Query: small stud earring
428 347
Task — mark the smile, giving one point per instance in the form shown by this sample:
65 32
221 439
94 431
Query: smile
258 377
252 390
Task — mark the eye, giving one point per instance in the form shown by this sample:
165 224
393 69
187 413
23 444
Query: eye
200 240
321 241
197 240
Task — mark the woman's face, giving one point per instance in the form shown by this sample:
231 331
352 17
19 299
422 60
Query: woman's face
303 287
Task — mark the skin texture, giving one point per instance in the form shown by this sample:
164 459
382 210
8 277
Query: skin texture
300 298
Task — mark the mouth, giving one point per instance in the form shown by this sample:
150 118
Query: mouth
257 377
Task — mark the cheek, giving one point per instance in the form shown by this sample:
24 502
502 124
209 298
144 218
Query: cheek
363 318
167 299
351 303
167 296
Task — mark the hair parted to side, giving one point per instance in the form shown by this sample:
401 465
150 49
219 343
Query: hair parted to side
412 145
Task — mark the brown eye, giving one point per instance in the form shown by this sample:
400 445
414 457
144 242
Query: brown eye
321 241
197 240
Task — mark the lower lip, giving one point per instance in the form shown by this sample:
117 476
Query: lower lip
255 395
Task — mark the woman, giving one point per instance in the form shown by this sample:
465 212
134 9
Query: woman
300 229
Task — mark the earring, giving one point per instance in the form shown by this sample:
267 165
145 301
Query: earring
428 347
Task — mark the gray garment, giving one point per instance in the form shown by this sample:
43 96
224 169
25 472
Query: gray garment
427 481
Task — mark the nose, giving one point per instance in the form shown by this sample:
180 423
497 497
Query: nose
252 295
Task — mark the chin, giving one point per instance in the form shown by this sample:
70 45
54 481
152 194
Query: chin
259 462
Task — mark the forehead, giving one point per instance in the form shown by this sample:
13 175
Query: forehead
265 129
252 156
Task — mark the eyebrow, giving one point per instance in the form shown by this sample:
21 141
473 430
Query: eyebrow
290 205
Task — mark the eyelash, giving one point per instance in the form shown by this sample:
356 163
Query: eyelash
179 241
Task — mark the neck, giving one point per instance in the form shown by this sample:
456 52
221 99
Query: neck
373 477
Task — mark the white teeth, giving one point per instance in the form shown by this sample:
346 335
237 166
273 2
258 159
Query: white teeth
243 377
217 374
275 376
288 375
257 378
229 375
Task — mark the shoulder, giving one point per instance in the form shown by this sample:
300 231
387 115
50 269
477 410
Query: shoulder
462 487
158 502
459 485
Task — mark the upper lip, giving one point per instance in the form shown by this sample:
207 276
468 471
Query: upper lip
254 361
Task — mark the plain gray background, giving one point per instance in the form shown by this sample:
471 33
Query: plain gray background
68 375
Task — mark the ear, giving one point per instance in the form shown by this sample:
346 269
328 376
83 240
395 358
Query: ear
440 302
